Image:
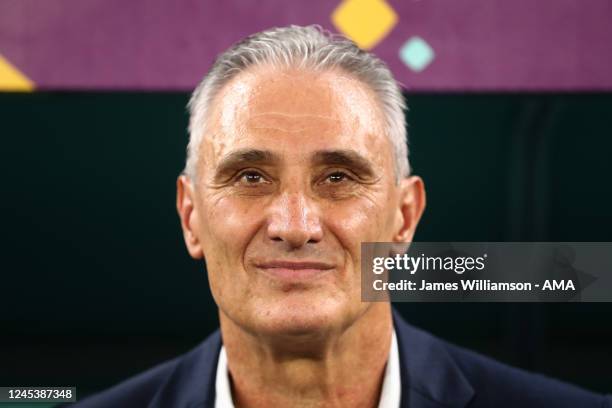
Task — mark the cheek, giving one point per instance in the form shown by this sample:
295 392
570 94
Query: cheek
228 227
361 220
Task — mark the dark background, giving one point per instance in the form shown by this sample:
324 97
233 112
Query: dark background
96 284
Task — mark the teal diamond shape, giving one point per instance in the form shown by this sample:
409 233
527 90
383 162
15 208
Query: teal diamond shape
416 54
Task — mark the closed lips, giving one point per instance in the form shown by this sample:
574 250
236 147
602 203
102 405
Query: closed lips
295 265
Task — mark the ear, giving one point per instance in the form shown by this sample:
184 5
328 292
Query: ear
190 222
411 206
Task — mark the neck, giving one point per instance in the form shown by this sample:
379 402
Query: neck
344 368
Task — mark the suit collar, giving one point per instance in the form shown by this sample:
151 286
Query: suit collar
430 376
192 383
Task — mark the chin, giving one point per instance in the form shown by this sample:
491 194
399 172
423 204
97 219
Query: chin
301 314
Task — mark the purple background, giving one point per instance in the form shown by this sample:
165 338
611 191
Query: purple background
169 45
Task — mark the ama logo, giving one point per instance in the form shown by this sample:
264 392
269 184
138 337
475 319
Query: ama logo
558 285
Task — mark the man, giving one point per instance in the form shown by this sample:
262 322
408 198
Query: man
297 155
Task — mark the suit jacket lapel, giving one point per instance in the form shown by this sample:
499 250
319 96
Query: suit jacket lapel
192 384
430 376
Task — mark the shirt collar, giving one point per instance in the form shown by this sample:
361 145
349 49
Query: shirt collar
390 395
223 392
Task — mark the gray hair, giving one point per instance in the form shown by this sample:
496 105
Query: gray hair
301 47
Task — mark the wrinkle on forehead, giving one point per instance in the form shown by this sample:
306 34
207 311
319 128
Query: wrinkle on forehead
293 106
290 122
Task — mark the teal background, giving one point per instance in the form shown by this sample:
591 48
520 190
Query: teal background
96 284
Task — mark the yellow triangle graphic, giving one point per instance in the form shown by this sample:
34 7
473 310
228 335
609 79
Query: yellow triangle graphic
13 80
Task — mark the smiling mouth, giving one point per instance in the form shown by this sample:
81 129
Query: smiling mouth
295 271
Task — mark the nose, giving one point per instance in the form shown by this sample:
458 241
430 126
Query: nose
294 220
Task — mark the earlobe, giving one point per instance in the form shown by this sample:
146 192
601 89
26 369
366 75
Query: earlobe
188 216
411 207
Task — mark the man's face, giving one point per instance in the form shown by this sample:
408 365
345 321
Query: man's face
295 171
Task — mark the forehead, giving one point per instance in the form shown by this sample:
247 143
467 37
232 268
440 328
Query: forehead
295 112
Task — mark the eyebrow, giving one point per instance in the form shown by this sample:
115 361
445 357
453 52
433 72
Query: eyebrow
245 157
339 157
344 157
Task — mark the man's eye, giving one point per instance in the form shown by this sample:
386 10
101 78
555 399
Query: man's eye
337 177
251 177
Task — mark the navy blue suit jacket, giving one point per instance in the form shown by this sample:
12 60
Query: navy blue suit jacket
434 374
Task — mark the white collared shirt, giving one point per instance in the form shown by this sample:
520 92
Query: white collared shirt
389 396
